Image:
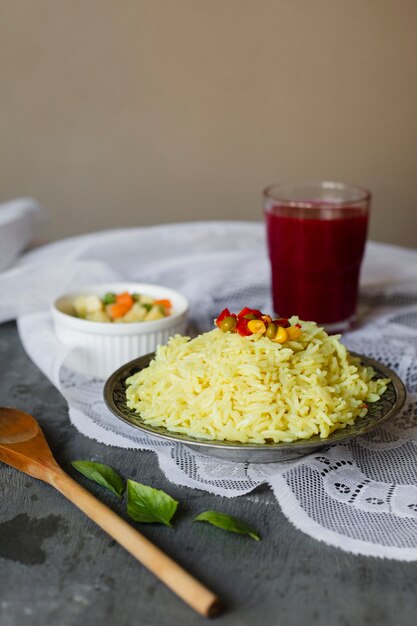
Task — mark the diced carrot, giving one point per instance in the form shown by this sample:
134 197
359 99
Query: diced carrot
118 309
165 302
124 298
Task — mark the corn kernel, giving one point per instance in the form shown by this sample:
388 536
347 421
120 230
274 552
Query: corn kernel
256 326
293 332
281 335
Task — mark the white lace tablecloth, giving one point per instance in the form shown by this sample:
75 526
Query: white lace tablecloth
361 496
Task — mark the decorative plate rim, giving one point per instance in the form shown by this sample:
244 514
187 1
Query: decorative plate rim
396 392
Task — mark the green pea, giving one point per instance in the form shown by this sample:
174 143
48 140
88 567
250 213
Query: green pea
250 316
271 331
109 298
228 323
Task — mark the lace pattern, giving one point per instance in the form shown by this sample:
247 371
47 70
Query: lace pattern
360 496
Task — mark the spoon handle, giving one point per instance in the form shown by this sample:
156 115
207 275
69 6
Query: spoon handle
168 571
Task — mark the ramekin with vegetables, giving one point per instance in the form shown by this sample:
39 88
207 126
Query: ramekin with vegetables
122 307
111 324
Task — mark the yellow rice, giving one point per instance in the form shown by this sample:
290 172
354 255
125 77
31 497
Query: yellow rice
249 389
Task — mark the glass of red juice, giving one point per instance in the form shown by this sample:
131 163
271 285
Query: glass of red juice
316 239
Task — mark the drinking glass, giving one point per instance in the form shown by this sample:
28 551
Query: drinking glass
316 235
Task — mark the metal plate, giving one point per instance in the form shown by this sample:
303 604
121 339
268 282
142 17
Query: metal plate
379 412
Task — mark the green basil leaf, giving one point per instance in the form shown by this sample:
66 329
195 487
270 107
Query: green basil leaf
101 474
146 504
227 522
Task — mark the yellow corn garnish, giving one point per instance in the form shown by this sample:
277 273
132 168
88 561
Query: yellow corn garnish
256 326
267 319
293 332
281 335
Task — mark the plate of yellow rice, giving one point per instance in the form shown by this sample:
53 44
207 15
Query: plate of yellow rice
249 399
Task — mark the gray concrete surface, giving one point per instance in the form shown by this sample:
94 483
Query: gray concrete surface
58 568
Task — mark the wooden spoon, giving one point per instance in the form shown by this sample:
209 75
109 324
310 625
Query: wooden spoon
24 447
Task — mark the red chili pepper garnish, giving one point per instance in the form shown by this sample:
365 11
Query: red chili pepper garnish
247 311
242 327
282 321
223 314
257 320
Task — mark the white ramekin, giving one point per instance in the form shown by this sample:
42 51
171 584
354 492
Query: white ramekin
100 348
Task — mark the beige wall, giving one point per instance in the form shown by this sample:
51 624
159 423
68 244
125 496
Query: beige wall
133 112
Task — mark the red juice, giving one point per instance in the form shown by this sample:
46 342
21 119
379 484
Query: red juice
315 261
